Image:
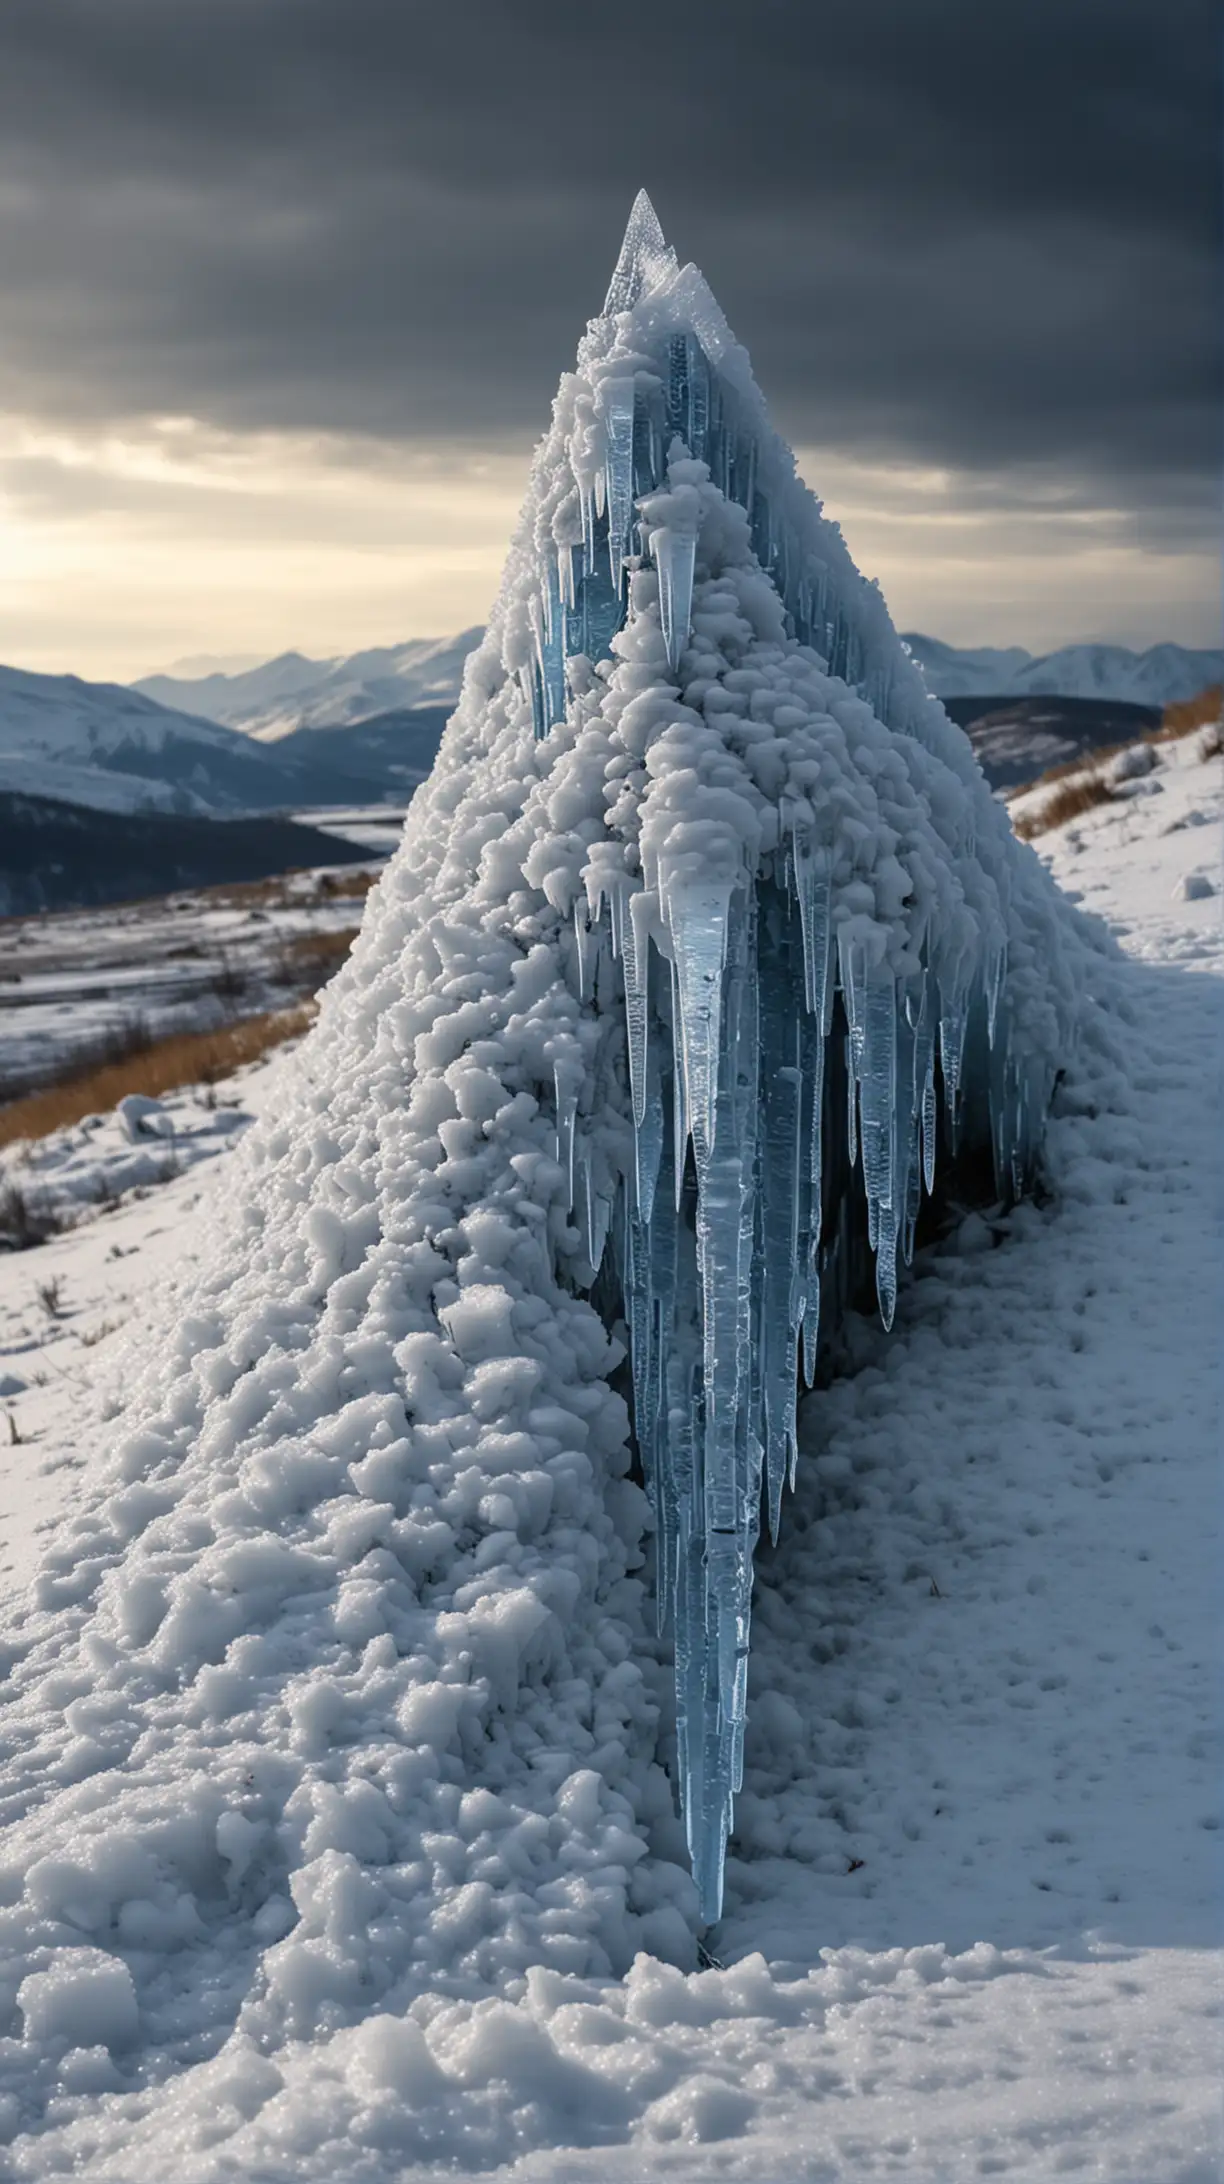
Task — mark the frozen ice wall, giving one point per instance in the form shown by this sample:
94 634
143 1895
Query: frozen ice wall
353 1679
799 906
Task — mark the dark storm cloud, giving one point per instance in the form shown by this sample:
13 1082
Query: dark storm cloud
973 232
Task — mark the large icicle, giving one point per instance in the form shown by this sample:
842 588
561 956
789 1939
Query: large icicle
675 554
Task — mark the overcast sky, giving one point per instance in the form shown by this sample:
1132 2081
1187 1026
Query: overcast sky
288 284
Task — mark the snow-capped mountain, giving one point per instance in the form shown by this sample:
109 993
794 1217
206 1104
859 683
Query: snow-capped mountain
1163 675
293 692
116 749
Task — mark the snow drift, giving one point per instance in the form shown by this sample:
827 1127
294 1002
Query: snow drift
348 1688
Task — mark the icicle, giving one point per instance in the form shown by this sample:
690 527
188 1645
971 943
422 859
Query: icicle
648 1145
587 937
699 401
697 914
635 949
567 1111
924 1080
550 644
812 885
783 1166
646 470
953 1020
618 404
992 979
675 554
678 417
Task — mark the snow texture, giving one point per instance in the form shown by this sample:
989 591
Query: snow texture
337 1714
984 1700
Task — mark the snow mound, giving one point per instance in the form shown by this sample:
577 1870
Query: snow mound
346 1688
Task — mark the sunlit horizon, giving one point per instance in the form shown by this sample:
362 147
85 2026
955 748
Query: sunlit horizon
126 549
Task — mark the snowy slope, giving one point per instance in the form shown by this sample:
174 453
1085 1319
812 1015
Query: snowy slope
990 1651
1163 675
115 749
292 692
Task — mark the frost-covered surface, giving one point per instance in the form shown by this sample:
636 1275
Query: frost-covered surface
1020 1978
817 919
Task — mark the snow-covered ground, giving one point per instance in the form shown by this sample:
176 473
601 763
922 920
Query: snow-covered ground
182 962
973 1903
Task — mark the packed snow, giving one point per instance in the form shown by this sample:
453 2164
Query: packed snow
340 1838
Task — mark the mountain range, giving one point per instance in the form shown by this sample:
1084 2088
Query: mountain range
1163 675
294 733
118 750
292 692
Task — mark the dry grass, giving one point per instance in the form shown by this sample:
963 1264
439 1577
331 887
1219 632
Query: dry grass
1071 801
284 891
196 1057
1182 720
1204 711
310 959
1084 779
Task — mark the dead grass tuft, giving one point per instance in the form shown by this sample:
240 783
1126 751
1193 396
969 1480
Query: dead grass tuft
25 1221
1070 801
195 1057
1204 711
285 891
310 959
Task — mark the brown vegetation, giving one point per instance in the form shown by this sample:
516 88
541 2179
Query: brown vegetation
1182 720
1084 778
310 959
285 891
1177 721
1071 801
163 1065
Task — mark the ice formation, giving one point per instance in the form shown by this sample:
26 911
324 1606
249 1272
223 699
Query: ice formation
344 1690
781 858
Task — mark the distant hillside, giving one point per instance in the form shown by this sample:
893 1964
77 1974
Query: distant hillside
1015 739
396 749
1164 675
116 749
57 856
293 692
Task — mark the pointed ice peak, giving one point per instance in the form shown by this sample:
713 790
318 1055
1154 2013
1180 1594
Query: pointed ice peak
645 258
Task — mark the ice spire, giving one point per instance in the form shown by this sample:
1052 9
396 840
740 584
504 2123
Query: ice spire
806 898
645 258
